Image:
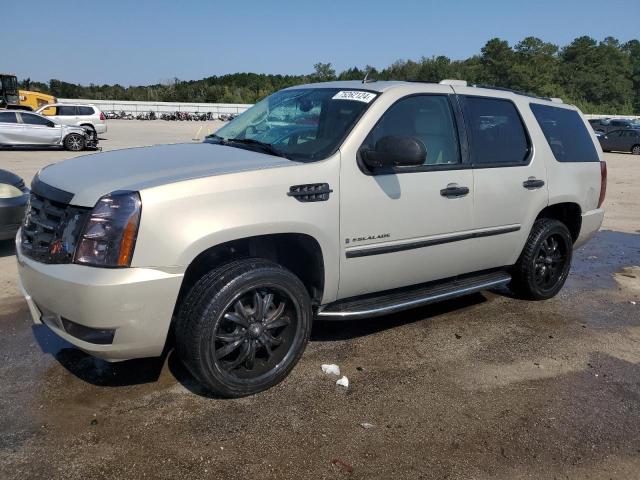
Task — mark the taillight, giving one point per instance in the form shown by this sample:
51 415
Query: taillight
102 117
603 183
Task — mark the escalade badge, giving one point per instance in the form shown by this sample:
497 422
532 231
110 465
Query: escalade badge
347 241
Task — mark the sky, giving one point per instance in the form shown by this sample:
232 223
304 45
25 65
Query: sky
142 42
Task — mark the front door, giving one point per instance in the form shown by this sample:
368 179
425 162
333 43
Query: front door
406 225
612 140
38 130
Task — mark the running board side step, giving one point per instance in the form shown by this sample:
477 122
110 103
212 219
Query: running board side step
392 301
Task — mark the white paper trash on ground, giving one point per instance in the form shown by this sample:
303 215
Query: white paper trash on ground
344 381
330 368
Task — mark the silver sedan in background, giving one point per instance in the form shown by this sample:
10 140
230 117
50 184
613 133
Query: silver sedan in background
20 128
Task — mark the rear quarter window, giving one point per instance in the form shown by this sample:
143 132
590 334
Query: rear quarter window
66 111
85 111
566 134
498 137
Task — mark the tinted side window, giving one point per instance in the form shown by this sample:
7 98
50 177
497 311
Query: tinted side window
428 118
8 117
66 110
566 134
85 111
33 119
497 134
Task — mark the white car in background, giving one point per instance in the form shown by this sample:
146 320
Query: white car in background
78 115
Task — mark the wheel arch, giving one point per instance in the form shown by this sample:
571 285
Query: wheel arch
298 252
568 213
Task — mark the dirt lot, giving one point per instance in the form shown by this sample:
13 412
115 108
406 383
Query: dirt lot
482 387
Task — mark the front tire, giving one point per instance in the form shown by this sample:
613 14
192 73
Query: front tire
74 142
635 150
243 326
543 266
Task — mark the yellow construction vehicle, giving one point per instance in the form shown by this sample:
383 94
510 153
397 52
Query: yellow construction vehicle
11 97
35 100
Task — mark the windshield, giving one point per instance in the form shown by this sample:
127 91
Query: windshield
301 124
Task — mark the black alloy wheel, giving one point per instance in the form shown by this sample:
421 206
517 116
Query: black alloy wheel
255 333
545 261
243 326
550 261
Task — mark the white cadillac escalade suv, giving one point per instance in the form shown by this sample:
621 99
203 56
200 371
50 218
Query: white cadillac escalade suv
334 200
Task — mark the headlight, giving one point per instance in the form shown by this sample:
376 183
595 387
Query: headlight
109 235
9 191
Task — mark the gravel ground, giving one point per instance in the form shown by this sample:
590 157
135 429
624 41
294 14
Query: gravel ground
485 386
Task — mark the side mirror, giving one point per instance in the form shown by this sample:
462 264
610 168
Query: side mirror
395 151
51 124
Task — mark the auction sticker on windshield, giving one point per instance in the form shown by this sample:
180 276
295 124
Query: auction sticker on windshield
359 96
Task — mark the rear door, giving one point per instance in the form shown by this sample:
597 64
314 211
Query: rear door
66 114
10 129
38 130
509 176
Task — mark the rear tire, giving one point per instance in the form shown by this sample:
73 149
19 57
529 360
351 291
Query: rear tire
635 150
243 326
74 142
543 266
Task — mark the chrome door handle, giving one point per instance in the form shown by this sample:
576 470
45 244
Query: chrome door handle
532 183
453 190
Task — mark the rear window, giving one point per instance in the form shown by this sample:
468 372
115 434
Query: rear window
497 135
66 111
85 110
566 134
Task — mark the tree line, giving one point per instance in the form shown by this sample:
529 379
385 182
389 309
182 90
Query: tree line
597 76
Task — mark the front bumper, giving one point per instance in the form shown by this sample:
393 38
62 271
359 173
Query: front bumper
135 303
11 215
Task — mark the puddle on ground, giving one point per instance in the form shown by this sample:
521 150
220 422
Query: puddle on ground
596 263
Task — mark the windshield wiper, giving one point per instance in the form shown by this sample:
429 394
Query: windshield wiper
267 147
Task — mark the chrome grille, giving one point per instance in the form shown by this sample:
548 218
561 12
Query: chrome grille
50 230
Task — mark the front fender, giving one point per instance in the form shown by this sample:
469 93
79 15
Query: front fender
181 220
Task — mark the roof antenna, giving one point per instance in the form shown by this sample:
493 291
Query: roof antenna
366 78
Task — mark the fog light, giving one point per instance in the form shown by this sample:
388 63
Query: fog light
88 334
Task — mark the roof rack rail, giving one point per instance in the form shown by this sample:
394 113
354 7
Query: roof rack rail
464 83
504 89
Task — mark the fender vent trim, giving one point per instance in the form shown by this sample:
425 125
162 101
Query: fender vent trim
311 192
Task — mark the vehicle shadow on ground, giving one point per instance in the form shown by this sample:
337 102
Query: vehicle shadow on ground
329 331
31 148
7 248
94 370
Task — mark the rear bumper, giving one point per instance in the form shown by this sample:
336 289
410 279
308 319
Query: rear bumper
134 304
591 223
101 127
11 215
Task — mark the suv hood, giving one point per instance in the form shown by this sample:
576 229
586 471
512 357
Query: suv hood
91 176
